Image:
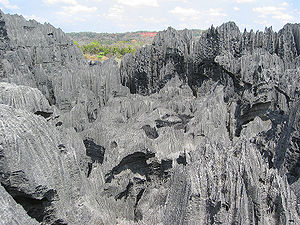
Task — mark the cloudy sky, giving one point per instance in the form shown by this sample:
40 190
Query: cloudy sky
153 15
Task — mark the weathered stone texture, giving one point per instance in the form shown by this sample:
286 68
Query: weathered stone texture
208 135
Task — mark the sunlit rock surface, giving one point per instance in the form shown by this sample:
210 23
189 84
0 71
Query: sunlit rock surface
186 131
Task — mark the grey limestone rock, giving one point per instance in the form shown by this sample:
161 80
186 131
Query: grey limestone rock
24 97
11 212
43 57
192 172
259 75
151 67
208 135
43 169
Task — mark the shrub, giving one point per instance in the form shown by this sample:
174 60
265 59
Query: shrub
117 49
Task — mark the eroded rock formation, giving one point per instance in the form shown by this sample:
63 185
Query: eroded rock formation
186 131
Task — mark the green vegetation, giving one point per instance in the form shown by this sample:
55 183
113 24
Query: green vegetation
101 46
84 38
76 43
103 51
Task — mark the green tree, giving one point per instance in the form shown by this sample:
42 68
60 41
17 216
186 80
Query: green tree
100 55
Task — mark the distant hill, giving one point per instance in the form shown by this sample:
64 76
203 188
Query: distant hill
102 46
83 38
146 37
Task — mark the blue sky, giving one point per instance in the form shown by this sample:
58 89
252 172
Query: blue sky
152 15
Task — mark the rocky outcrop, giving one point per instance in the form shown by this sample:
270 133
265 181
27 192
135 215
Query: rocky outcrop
259 75
208 135
41 168
24 97
11 212
153 66
43 57
220 54
193 171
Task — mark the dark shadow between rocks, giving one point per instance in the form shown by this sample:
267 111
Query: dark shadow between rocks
135 162
39 209
46 115
150 131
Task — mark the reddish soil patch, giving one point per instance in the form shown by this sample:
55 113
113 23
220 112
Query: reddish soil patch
148 34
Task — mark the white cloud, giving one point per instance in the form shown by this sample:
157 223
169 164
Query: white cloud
245 1
275 12
8 5
139 3
186 14
284 4
190 14
115 12
265 23
75 9
153 19
283 16
236 8
70 2
188 26
216 12
183 1
71 8
51 2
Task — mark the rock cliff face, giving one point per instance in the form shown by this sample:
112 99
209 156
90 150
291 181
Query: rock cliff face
186 131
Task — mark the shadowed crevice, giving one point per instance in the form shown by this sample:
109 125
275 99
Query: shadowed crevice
46 115
39 208
94 151
151 132
135 162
